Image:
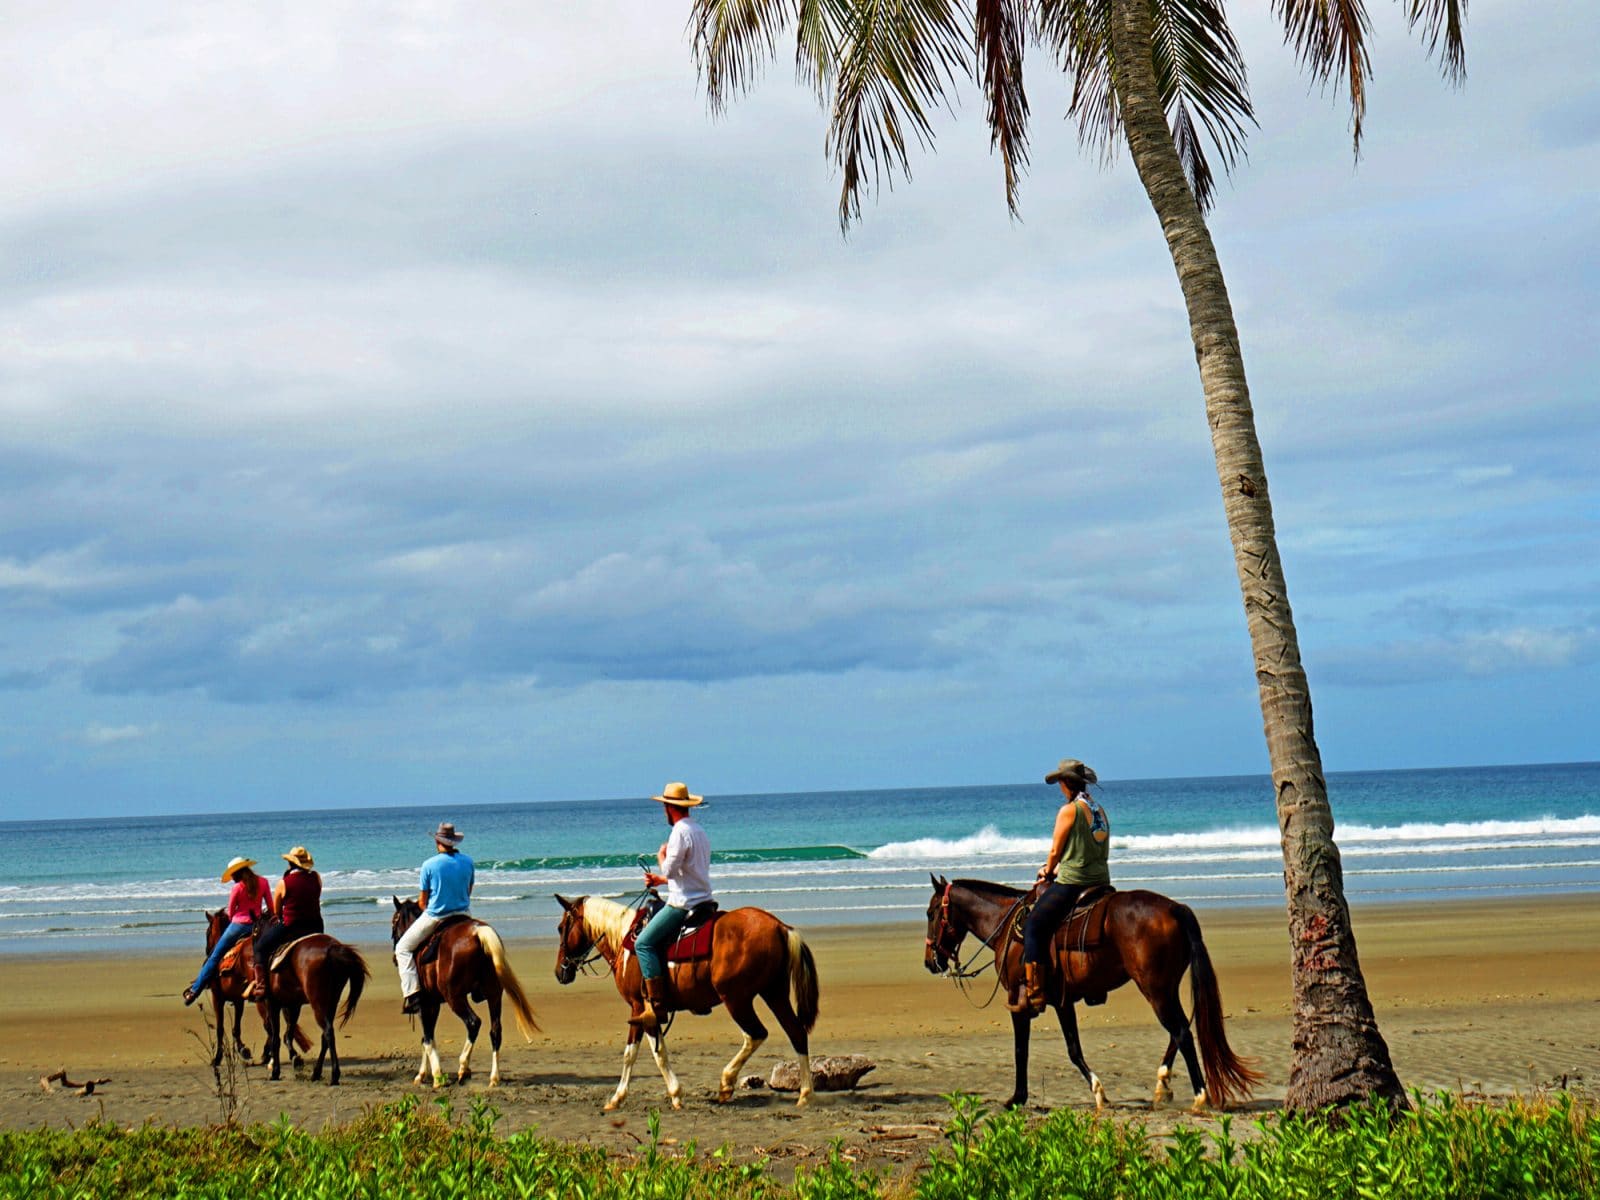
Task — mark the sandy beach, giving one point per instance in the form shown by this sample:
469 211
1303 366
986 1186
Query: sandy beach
1495 997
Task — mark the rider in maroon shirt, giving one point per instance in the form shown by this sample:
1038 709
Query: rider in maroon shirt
297 904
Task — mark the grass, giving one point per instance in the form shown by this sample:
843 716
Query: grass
1548 1149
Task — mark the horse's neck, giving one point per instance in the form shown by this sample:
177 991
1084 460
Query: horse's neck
607 923
984 912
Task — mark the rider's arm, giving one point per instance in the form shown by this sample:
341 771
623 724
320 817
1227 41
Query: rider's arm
275 908
422 899
1058 842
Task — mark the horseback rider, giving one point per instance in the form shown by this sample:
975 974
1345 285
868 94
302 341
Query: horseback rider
446 890
685 869
1079 859
249 900
297 904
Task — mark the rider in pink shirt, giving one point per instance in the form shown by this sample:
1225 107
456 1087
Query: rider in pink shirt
250 899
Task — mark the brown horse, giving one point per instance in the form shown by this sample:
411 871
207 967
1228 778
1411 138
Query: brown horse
470 964
313 970
752 954
1146 938
233 977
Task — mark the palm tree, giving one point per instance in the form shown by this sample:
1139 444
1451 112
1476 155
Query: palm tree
1167 77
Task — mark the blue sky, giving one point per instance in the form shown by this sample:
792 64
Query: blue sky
434 403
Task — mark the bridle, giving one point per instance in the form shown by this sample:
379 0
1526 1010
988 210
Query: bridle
957 970
575 961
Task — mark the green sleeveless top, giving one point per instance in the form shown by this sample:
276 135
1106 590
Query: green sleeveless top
1087 856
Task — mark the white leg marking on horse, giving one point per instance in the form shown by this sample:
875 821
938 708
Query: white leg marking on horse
1200 1101
494 1068
805 1081
629 1053
1099 1091
730 1073
422 1071
674 1088
465 1061
438 1071
1163 1092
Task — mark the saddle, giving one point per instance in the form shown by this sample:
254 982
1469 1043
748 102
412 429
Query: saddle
430 948
1083 929
281 954
693 944
232 959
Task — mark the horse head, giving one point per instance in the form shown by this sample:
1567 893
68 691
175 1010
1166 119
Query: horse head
946 928
574 944
216 922
405 914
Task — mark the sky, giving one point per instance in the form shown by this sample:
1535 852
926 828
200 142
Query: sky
430 402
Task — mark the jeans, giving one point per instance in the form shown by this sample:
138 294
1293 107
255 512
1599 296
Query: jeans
1048 913
235 931
405 951
653 940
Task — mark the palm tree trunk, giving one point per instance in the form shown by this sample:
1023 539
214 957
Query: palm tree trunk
1338 1054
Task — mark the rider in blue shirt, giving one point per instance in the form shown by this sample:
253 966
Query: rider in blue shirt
445 890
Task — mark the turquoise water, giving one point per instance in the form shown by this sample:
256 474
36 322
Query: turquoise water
813 858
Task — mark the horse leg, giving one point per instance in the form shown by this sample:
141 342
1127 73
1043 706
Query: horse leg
271 1053
493 997
1163 1091
1067 1014
323 1016
216 1003
658 1048
238 1042
1021 1025
462 1009
743 1012
1169 1011
430 1068
777 998
630 1051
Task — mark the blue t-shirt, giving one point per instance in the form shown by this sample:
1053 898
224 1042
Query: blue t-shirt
448 879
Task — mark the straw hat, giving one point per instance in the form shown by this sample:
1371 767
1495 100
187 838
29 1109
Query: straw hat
447 834
234 867
1071 771
678 795
298 857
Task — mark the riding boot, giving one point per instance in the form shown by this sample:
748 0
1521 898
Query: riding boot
1035 999
655 1005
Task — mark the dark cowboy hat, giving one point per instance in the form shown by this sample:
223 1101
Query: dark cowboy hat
1072 771
447 833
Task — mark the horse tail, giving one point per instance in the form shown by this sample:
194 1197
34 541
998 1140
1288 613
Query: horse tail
348 959
496 950
803 979
1227 1075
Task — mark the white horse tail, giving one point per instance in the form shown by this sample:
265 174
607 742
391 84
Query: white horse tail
803 979
496 950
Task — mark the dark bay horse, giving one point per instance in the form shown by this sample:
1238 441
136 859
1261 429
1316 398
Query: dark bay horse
1146 938
470 965
314 970
233 977
752 954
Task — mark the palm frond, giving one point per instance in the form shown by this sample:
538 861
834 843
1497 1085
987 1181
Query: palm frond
999 31
895 60
1330 37
1199 69
1443 23
731 39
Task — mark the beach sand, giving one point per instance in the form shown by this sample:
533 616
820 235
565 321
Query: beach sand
1493 997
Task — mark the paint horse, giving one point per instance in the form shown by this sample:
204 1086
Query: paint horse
1139 936
752 954
313 970
464 960
233 977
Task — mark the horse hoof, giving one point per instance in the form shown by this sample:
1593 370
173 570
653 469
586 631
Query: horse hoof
802 1102
1017 1101
676 1104
440 1081
1200 1103
611 1106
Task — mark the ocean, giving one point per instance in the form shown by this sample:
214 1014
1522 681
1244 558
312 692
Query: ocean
815 859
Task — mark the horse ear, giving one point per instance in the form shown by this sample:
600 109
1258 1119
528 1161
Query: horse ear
563 901
397 905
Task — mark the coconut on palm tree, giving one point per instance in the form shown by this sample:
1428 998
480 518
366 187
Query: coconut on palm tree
1167 78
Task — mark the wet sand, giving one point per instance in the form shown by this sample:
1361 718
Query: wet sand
1492 997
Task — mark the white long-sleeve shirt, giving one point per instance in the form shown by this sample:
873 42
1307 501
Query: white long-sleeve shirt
687 864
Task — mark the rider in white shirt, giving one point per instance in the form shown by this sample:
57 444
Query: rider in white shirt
685 870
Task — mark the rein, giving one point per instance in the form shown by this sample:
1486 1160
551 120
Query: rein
961 972
634 901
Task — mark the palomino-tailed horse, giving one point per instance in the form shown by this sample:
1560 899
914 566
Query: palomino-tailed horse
752 954
1138 935
233 977
313 970
469 963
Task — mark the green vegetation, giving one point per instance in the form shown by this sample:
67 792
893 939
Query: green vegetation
1446 1149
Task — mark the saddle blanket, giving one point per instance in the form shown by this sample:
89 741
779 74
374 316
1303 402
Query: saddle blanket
692 944
430 948
282 954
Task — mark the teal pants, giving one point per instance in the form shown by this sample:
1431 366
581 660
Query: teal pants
652 942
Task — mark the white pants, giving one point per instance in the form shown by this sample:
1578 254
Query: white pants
405 951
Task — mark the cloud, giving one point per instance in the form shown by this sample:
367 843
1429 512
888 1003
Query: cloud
1482 655
107 735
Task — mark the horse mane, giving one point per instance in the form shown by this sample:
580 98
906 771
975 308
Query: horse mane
985 887
607 919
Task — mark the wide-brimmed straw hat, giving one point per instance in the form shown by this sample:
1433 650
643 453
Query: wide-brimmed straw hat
447 833
678 795
234 867
298 857
1072 771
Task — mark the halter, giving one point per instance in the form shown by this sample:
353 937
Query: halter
596 953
